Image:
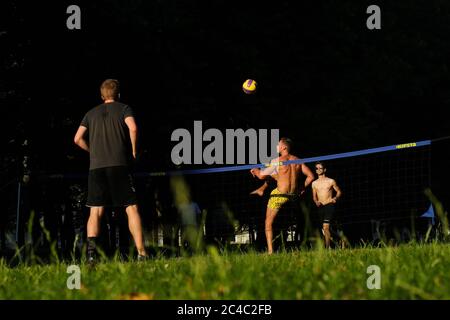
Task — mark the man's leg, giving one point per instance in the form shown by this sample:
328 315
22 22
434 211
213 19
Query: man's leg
326 234
270 216
135 226
93 225
93 230
260 190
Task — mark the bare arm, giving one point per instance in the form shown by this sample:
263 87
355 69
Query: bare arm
132 127
309 175
338 191
315 198
260 174
79 140
266 172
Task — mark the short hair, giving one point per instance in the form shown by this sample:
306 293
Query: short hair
110 89
287 142
321 163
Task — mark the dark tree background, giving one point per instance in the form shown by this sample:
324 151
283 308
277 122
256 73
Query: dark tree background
324 79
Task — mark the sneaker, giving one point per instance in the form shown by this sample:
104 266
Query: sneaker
91 257
142 258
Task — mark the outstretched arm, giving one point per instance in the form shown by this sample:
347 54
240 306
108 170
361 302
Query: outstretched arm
79 140
266 172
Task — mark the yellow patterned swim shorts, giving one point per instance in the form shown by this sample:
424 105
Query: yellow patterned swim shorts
278 199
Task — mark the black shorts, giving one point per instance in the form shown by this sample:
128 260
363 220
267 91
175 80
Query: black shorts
111 187
326 213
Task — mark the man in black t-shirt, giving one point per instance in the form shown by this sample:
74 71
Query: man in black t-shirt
111 145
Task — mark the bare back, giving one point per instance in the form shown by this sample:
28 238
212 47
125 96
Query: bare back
288 175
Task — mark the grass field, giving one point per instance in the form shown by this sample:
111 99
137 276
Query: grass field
418 271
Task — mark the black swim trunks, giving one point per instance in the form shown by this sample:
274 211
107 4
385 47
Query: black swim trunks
326 212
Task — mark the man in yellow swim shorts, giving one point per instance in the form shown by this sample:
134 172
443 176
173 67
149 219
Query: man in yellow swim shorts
278 199
287 177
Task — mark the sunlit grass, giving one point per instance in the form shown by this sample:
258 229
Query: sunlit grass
407 272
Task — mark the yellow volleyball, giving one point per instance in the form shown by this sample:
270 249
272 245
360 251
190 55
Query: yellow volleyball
249 86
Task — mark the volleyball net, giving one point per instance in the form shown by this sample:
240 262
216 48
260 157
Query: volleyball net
382 193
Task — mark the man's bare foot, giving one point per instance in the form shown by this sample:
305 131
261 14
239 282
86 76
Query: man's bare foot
259 192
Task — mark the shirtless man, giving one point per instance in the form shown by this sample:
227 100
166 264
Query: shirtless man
322 190
287 177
